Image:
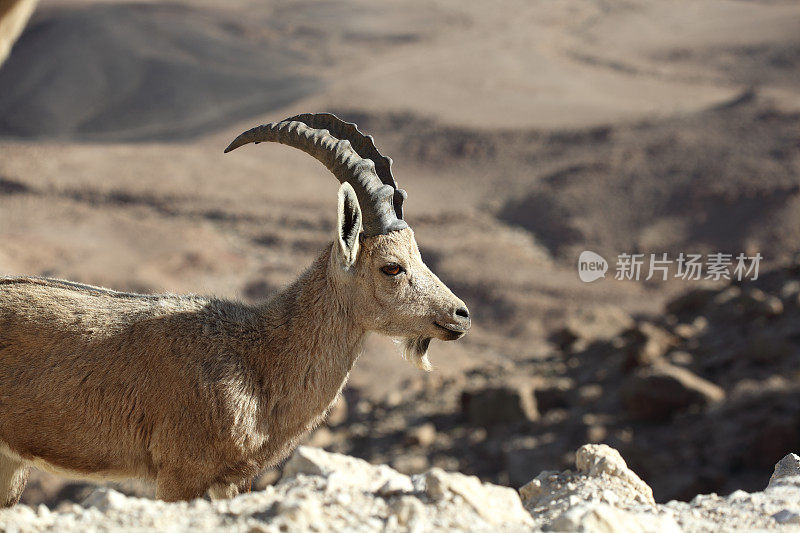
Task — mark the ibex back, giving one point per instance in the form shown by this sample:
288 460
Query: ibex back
200 394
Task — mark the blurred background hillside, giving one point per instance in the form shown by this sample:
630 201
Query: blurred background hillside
524 133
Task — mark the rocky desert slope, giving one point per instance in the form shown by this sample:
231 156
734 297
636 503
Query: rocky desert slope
322 491
524 135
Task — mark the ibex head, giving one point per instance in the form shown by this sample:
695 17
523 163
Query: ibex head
375 255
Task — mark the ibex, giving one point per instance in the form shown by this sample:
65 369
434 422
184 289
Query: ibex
200 394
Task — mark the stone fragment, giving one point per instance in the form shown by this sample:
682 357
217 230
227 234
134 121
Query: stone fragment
423 435
500 405
105 499
785 516
603 518
435 484
656 393
493 503
599 459
787 472
341 470
310 461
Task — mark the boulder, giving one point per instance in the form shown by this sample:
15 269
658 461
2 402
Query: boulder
599 460
499 405
656 393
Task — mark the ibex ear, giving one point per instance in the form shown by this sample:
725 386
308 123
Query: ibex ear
348 225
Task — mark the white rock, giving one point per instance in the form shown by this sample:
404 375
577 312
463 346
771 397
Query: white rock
493 503
311 461
603 518
600 459
105 499
341 471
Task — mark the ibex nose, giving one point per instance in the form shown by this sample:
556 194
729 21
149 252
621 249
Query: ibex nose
462 316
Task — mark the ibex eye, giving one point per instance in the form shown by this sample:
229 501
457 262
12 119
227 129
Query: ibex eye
392 270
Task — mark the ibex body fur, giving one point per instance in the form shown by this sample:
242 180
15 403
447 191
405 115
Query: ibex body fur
200 394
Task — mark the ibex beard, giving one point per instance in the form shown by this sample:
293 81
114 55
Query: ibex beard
200 394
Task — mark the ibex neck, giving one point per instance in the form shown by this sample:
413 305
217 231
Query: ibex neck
310 344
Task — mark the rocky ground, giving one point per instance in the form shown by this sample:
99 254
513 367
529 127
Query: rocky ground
323 491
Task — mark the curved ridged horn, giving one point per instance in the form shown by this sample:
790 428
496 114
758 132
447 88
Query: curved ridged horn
377 199
364 145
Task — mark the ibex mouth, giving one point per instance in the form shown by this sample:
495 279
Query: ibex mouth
458 332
